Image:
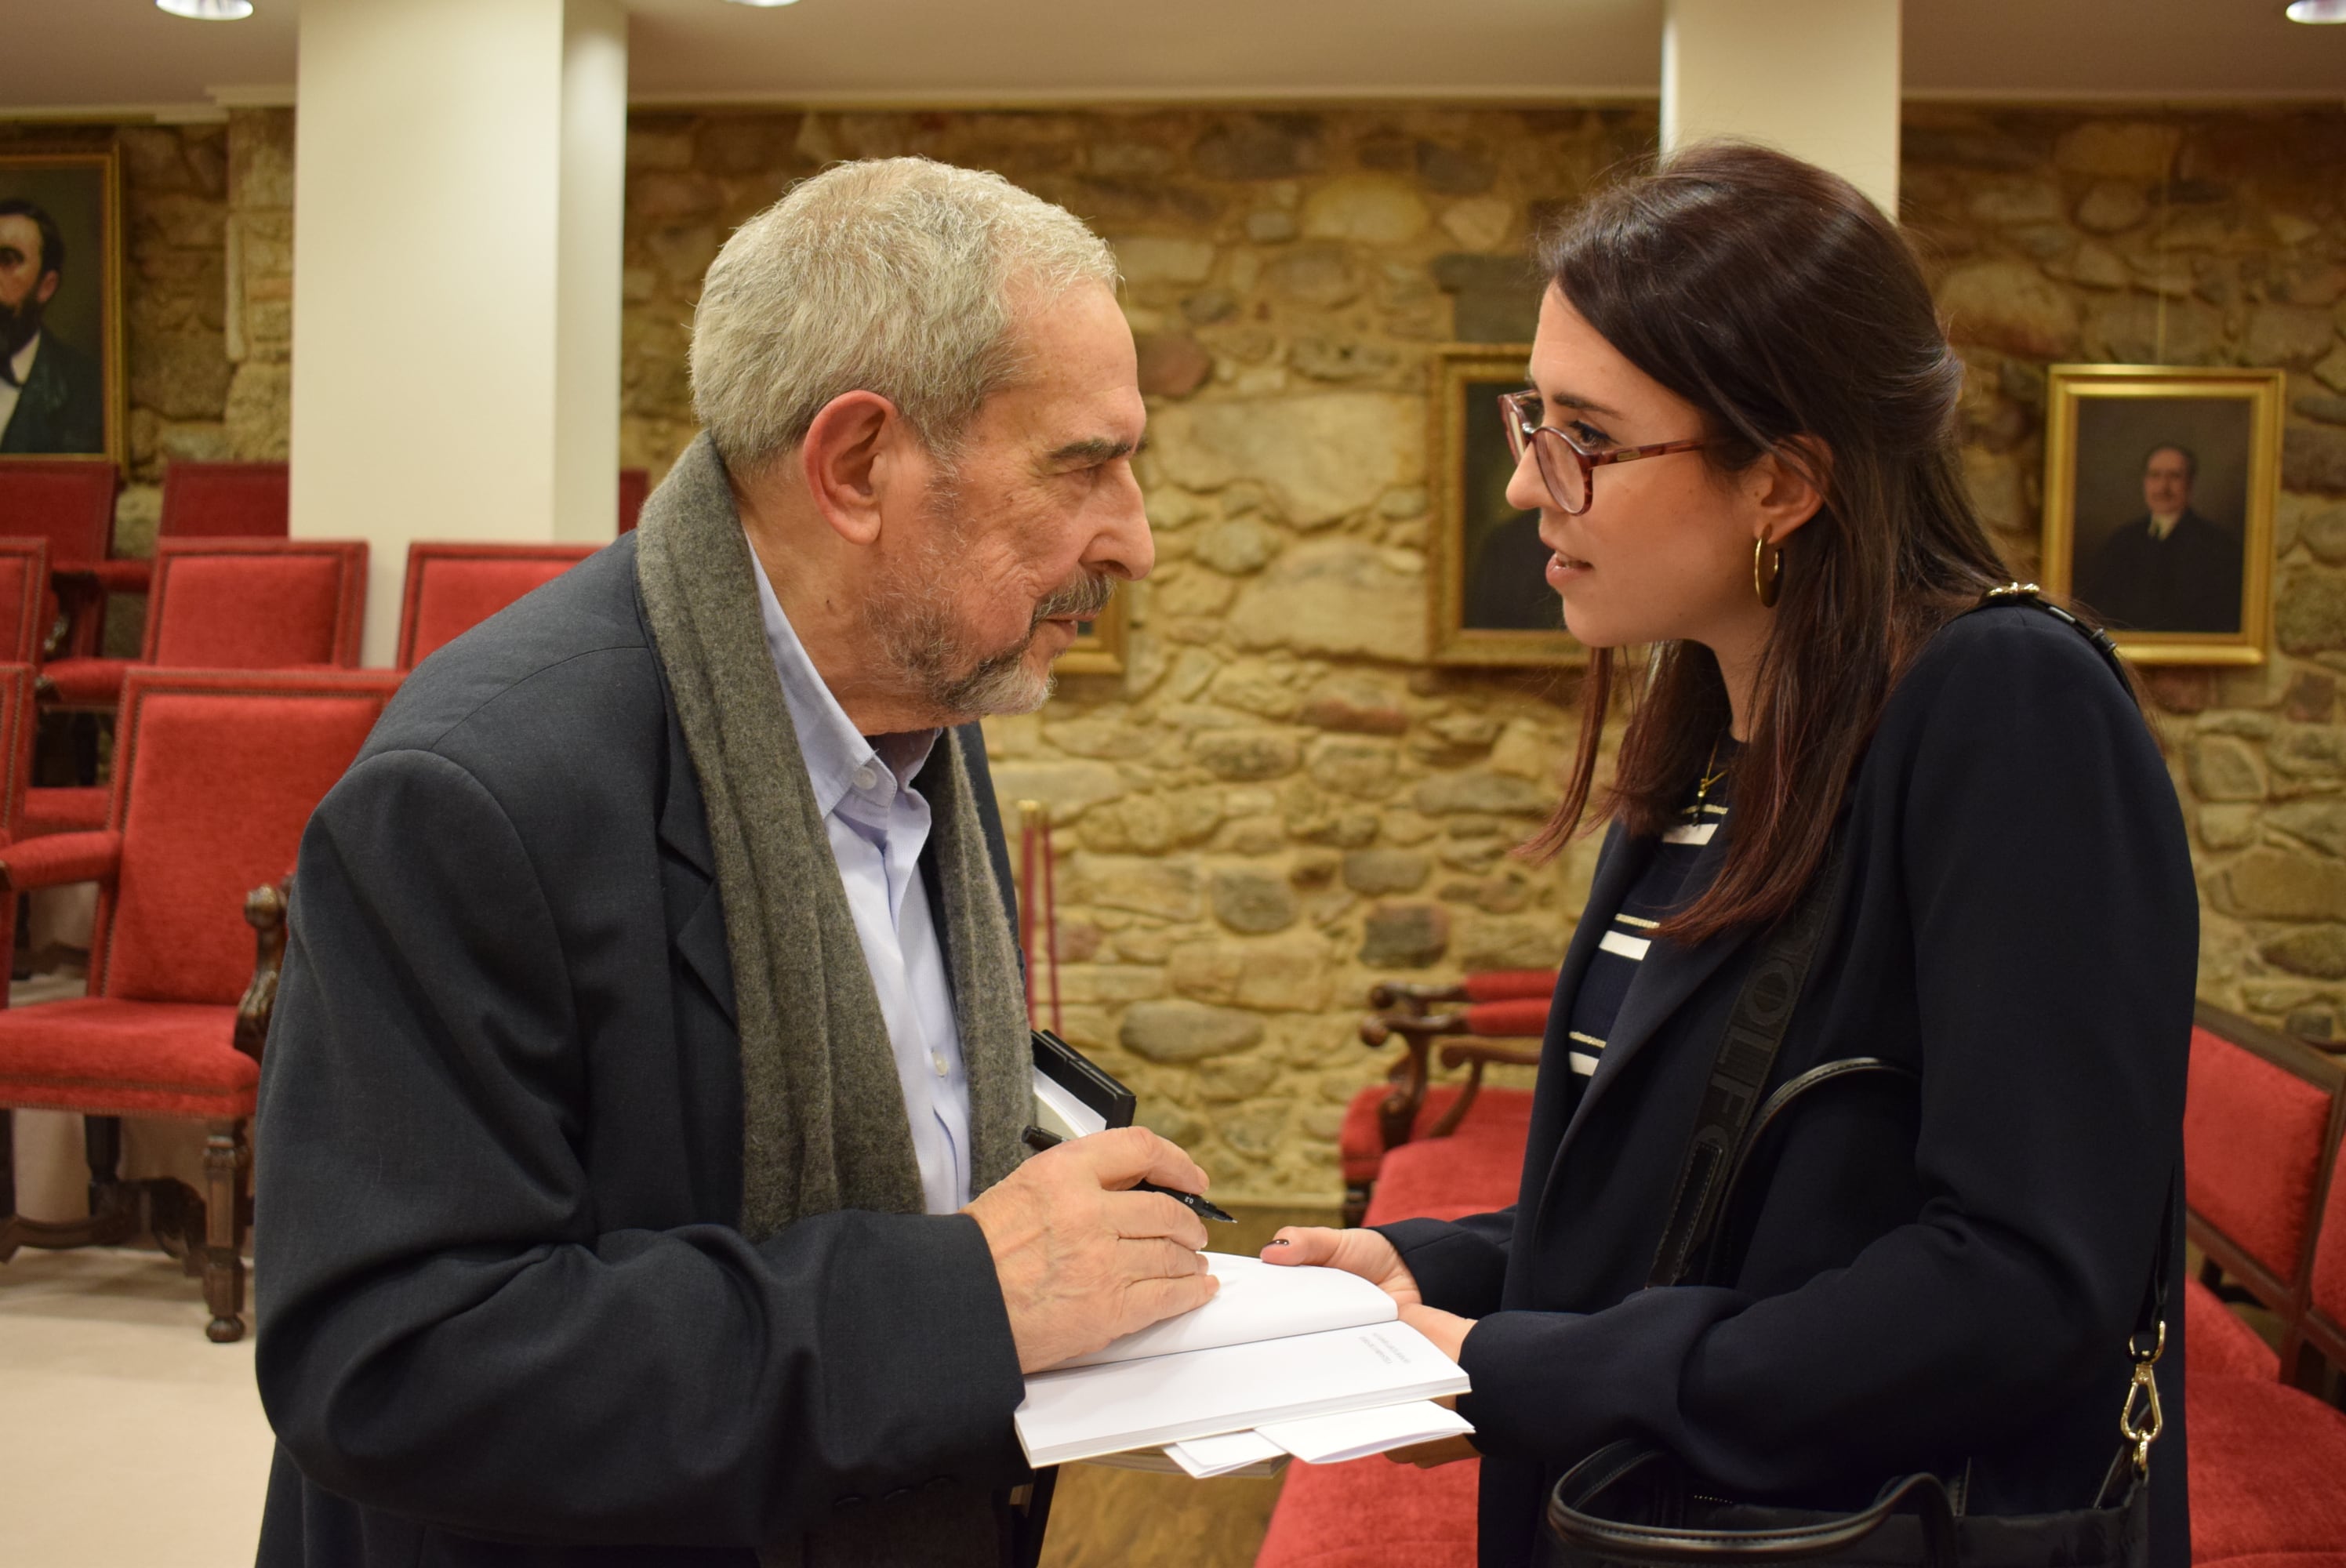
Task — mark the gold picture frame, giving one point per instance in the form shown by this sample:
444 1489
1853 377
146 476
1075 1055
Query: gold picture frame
1098 648
2198 589
79 189
1488 601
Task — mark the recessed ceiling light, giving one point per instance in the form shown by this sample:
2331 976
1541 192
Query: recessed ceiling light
764 5
208 10
2316 11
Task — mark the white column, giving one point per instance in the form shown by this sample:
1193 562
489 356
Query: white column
1817 79
458 176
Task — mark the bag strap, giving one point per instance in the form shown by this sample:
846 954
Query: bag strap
1571 1520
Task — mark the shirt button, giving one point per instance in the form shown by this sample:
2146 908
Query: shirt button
937 1060
866 777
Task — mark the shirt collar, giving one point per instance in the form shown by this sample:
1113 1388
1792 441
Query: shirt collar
21 365
835 751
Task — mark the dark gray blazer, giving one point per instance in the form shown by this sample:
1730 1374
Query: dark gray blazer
504 1316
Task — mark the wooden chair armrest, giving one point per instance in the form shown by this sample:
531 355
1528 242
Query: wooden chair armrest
60 858
1397 1114
264 910
1414 995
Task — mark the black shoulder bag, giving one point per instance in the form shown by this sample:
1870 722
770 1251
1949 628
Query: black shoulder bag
1632 1503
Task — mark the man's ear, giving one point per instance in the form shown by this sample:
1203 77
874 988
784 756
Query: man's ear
850 451
1786 490
47 289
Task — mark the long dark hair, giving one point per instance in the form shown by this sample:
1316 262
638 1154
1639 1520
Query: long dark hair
1781 302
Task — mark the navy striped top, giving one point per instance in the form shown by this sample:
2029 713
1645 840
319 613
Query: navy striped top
1657 893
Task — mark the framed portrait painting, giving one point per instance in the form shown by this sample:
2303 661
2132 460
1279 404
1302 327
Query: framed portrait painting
1489 601
61 381
2159 488
1098 648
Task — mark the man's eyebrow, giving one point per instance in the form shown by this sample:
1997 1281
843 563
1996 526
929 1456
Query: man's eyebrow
1096 449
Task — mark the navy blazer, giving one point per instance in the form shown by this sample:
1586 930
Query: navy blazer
1937 1280
504 1315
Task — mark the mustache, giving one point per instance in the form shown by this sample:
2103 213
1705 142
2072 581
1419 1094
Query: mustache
1083 599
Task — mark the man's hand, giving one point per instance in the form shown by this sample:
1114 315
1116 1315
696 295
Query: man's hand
1082 1260
1362 1252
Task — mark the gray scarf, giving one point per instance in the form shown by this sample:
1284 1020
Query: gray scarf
823 1118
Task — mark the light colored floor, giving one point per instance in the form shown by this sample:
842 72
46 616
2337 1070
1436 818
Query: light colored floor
126 1436
129 1438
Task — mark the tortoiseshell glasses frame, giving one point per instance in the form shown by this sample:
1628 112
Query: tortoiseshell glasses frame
1568 468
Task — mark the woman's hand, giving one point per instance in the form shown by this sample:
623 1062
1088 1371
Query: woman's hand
1362 1252
1448 1332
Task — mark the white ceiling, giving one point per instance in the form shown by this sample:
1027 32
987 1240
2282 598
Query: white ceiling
98 55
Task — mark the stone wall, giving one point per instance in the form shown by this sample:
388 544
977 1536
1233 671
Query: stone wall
2204 238
1282 800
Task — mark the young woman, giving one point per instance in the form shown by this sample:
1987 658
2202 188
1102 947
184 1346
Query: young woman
1740 436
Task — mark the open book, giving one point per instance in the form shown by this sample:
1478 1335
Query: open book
1275 1344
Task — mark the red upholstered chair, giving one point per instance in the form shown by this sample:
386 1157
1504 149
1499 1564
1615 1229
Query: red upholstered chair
224 499
236 604
452 588
634 489
24 599
69 502
2261 1123
1493 1006
216 772
2318 1335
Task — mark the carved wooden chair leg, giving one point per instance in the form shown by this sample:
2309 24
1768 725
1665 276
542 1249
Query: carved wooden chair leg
228 1167
1356 1204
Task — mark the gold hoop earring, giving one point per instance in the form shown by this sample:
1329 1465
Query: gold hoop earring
1767 572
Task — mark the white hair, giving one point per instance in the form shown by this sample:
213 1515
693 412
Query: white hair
899 275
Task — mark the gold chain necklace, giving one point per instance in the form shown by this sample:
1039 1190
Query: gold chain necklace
1711 774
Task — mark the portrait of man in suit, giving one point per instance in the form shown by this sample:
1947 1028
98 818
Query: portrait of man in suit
2169 569
52 396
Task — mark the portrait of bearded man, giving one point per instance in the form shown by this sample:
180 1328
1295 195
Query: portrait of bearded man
52 397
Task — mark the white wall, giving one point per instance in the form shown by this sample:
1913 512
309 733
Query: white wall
1819 78
459 172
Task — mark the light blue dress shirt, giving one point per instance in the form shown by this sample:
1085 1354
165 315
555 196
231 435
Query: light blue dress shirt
878 824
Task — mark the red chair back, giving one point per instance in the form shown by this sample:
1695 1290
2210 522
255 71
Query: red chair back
19 722
215 775
24 599
256 604
1511 985
2254 1133
69 502
224 499
452 588
2328 1298
634 489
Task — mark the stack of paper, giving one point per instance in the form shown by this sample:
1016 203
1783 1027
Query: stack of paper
1304 1361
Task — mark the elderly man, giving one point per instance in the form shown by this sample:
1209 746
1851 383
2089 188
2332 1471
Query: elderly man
643 1101
2169 570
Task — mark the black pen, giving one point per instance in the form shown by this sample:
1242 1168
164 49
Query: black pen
1038 1139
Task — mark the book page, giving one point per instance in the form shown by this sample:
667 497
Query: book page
1258 1300
1081 1411
1356 1434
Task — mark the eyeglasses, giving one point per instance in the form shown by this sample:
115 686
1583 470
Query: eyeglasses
1569 467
